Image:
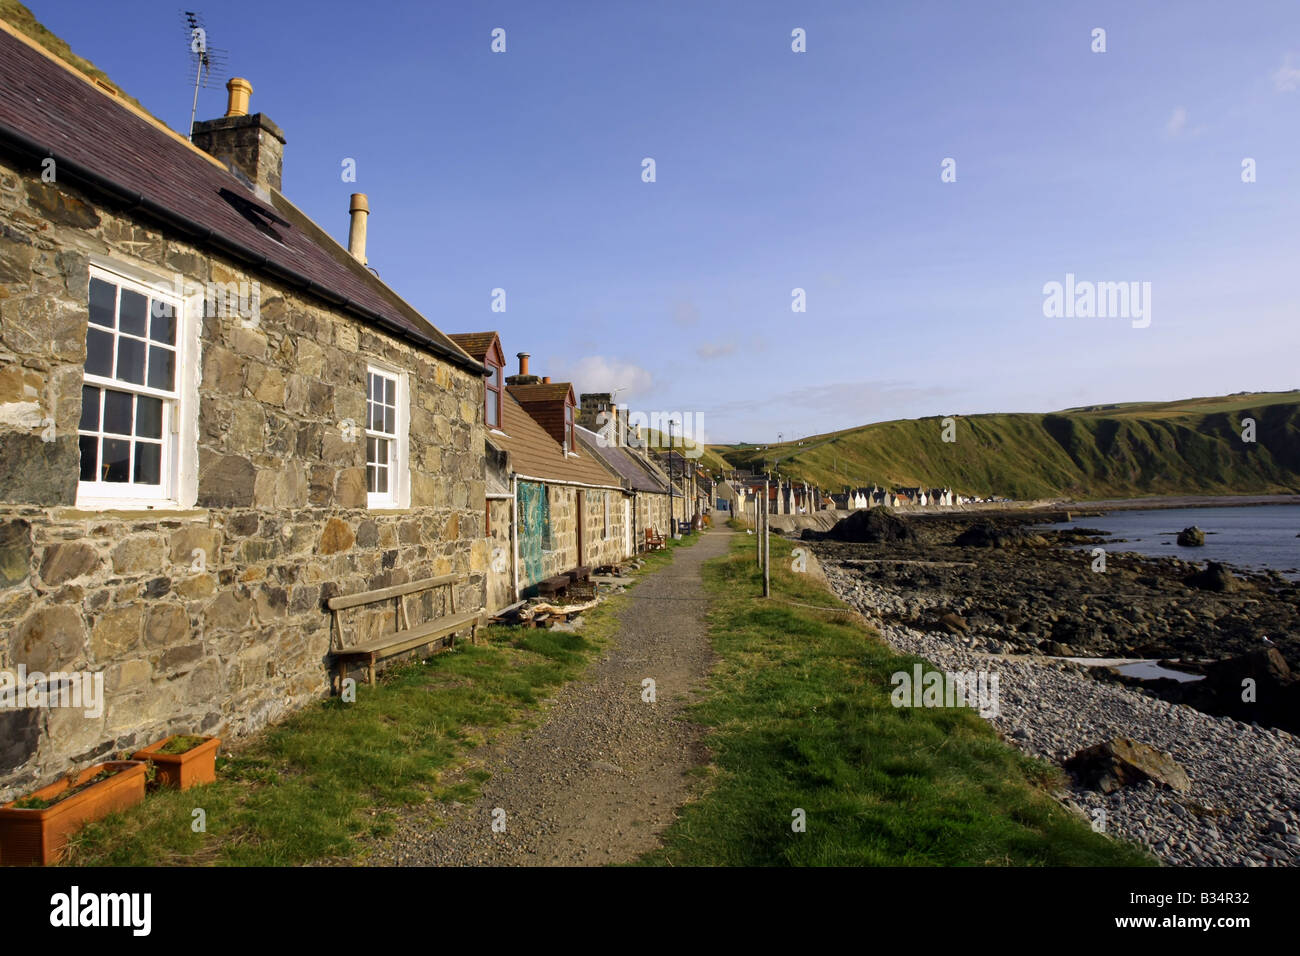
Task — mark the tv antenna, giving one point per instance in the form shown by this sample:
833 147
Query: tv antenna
207 62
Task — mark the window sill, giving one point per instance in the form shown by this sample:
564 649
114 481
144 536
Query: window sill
91 509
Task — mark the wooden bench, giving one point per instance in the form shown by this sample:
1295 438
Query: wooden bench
580 574
406 637
654 541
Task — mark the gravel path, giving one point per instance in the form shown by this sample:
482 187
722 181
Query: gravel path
604 772
1243 807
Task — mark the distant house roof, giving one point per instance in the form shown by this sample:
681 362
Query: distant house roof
535 454
475 344
623 463
101 144
549 392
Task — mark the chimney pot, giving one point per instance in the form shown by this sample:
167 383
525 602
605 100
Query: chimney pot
239 90
359 210
546 380
523 363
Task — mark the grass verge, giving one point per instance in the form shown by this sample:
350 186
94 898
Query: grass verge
800 718
311 786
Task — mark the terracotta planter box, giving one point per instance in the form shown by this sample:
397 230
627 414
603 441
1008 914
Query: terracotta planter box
40 836
196 766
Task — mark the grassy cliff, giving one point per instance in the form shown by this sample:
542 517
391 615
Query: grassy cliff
22 20
1192 446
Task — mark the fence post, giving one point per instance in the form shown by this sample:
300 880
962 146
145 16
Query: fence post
767 550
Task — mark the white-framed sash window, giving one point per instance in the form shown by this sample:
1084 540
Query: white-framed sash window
134 398
387 428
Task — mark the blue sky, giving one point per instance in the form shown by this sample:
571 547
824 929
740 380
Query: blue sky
778 170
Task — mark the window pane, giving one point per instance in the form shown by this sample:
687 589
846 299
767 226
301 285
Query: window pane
390 392
370 478
161 368
372 386
148 463
390 420
492 409
133 312
376 417
117 460
148 417
89 453
381 481
103 300
99 353
130 360
117 414
89 408
162 323
381 451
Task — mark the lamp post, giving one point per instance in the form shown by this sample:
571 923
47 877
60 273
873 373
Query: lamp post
672 515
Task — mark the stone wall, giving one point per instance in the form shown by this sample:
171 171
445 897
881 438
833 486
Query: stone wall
224 640
500 576
652 512
599 549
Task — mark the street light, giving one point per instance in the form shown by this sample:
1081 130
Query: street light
672 515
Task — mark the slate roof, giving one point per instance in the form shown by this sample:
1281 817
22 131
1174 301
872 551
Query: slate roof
131 161
622 462
536 454
475 344
552 392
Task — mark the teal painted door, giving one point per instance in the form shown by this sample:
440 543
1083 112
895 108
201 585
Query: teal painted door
534 518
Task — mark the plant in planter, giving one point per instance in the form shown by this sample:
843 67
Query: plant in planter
36 828
183 760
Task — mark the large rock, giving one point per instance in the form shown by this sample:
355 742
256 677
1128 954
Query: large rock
873 526
985 534
1192 537
1122 762
1274 691
1215 577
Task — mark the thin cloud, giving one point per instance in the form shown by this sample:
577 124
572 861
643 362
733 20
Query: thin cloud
1286 79
1177 123
711 351
598 373
685 313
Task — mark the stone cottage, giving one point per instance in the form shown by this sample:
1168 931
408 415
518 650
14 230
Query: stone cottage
213 418
602 433
554 506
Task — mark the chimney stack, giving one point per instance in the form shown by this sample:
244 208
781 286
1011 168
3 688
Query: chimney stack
251 145
359 210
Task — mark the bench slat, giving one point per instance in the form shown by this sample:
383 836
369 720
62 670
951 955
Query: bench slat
401 641
345 601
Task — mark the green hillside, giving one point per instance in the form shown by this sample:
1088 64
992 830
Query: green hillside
707 457
1193 446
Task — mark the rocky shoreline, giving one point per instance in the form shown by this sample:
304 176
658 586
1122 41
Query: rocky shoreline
1006 609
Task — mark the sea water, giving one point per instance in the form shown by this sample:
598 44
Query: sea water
1255 537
